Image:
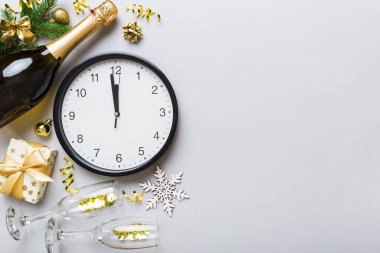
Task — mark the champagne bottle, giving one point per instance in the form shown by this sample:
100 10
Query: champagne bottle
26 76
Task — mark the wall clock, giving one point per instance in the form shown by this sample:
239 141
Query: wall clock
115 114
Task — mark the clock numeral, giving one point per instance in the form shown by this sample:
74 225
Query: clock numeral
95 77
80 138
116 70
81 92
154 89
141 151
138 76
163 112
71 115
156 135
96 151
119 159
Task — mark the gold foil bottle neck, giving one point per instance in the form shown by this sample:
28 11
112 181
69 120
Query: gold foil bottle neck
105 13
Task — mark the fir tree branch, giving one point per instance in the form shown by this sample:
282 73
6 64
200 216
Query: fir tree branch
6 14
4 49
49 30
41 12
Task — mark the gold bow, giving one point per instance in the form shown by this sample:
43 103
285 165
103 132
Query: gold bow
21 29
34 165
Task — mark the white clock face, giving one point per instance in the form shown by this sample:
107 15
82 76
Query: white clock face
117 114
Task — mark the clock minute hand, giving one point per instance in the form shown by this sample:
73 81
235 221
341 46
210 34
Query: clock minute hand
115 95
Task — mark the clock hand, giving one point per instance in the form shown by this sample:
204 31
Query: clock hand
115 95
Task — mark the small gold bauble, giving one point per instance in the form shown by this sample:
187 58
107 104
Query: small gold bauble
60 16
43 128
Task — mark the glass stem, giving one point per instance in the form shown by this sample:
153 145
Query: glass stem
77 234
26 220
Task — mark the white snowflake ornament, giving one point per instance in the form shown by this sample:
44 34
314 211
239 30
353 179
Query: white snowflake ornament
164 190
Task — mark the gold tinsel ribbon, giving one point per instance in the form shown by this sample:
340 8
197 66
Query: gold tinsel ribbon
131 235
21 29
147 13
136 197
28 4
69 180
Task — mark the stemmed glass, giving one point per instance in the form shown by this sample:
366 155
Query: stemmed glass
121 233
88 201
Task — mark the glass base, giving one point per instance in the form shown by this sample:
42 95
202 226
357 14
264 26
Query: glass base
51 235
15 225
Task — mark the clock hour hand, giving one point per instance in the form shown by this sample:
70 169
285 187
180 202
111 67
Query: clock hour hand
115 95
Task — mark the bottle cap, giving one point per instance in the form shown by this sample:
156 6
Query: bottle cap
105 13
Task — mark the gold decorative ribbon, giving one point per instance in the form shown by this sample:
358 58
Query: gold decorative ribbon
34 165
136 197
147 13
21 29
69 180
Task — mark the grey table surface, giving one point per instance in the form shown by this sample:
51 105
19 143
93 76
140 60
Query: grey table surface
278 135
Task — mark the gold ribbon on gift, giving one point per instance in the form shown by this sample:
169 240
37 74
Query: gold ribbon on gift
21 29
34 165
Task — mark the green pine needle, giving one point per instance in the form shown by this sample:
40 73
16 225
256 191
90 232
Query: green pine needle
40 12
49 30
6 14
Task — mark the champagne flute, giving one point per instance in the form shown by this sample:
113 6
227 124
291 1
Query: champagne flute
88 201
121 233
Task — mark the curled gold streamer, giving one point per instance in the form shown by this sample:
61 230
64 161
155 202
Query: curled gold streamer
28 3
95 203
147 13
69 180
11 9
136 197
131 235
80 5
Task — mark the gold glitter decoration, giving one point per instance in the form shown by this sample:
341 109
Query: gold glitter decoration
69 180
131 235
136 197
43 128
95 203
132 32
80 5
28 4
147 13
60 16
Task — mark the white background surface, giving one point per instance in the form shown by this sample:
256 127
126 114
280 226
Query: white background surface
278 136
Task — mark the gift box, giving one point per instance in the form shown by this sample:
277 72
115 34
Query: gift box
26 170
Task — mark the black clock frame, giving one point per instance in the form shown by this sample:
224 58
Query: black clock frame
57 114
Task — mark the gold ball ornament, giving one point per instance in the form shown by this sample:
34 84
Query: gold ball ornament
43 128
60 16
